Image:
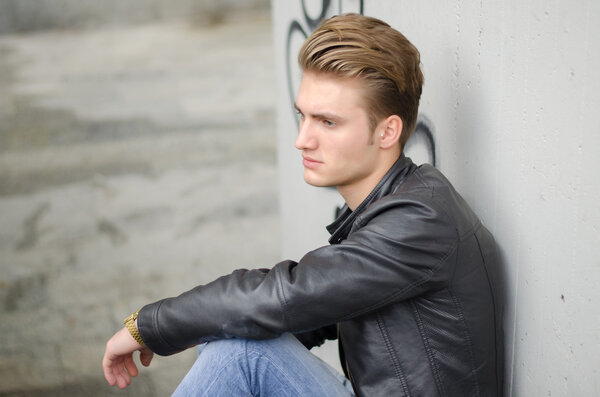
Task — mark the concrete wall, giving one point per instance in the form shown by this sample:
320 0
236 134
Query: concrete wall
509 104
131 160
28 15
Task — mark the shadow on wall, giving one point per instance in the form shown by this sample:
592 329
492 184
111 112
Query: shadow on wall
421 145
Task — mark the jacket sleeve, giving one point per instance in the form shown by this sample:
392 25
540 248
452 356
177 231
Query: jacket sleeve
398 251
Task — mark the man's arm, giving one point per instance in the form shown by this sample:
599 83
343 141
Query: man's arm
400 252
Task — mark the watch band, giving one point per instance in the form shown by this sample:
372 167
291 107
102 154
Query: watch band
130 325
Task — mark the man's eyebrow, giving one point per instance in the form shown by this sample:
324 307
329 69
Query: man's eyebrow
323 115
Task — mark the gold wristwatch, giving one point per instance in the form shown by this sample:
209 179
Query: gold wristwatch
130 325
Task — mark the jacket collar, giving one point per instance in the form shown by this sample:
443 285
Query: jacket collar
340 228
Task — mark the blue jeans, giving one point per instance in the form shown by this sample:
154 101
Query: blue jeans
274 367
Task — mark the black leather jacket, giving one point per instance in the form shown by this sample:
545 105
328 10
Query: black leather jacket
409 285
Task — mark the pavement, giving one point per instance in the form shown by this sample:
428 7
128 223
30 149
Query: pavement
135 163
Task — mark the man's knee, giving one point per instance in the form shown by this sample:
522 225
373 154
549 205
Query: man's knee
223 350
244 346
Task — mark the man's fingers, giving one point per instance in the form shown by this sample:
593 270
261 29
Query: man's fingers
130 366
118 364
121 373
146 356
117 371
123 379
107 367
110 377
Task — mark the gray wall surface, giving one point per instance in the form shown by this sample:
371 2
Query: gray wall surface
510 98
132 160
29 15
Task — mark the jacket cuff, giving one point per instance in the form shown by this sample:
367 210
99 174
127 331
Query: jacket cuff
148 328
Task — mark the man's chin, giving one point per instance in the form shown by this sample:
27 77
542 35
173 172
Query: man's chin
316 183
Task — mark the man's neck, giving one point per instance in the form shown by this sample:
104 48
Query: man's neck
355 194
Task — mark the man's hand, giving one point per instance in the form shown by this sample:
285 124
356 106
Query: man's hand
118 363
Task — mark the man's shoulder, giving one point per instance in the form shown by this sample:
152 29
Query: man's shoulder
428 187
429 176
426 190
424 181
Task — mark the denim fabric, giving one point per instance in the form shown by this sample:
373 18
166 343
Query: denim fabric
274 367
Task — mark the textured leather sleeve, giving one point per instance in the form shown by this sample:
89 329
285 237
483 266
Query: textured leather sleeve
398 249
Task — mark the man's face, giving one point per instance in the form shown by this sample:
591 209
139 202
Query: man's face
336 142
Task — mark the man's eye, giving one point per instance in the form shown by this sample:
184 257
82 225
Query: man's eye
329 123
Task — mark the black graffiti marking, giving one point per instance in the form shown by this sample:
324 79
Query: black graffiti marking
423 135
313 23
294 27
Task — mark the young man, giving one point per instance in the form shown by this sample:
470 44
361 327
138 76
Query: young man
408 285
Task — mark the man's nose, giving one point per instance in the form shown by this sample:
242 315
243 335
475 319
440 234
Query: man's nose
305 139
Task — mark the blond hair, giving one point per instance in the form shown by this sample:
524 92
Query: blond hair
356 46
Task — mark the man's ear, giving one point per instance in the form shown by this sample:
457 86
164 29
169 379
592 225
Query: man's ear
389 131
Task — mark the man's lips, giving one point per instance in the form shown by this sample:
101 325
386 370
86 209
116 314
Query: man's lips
309 162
